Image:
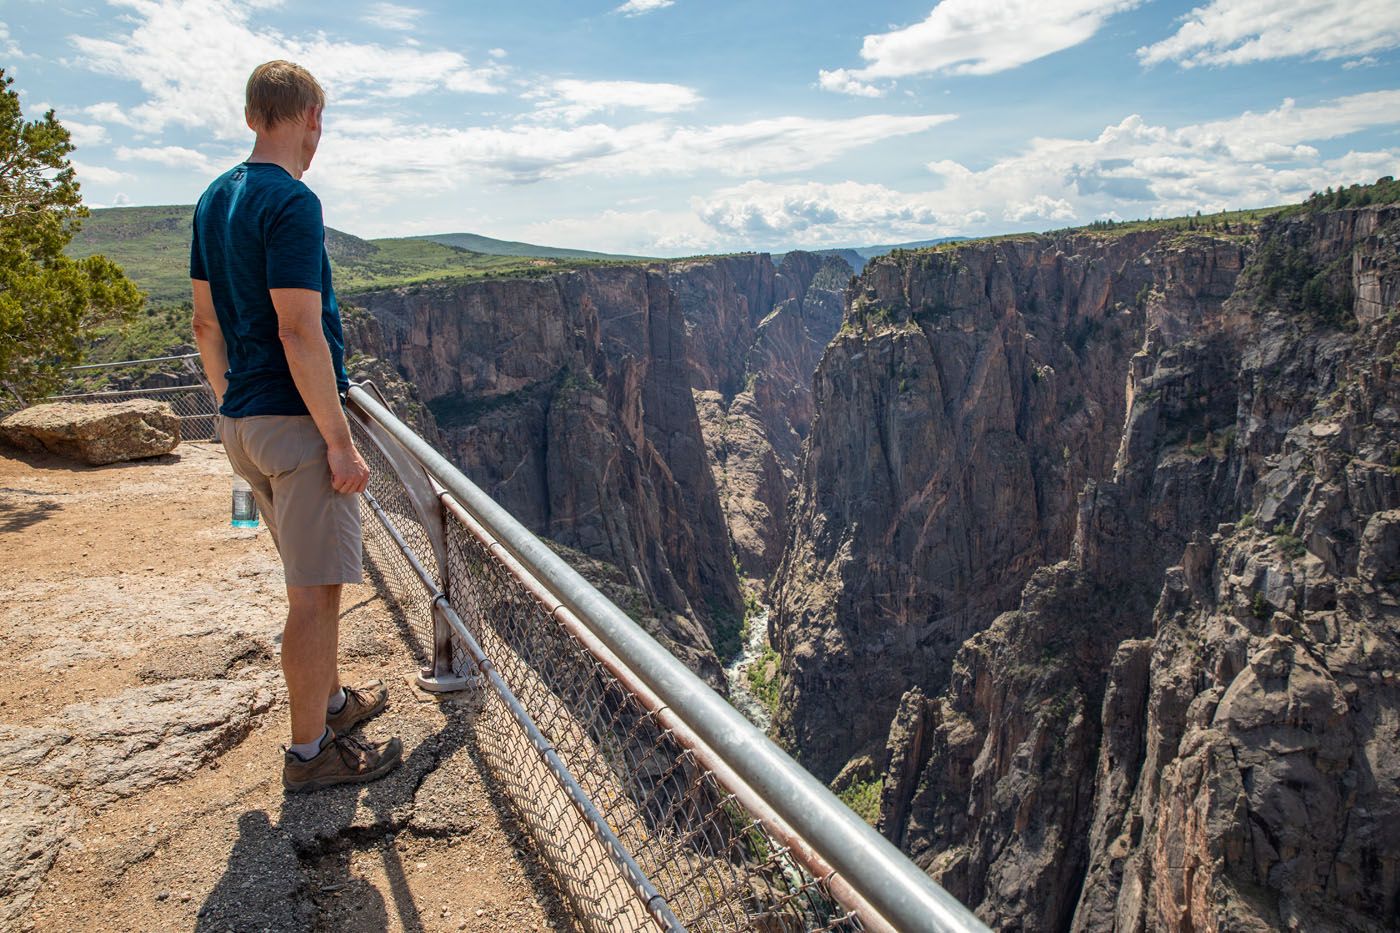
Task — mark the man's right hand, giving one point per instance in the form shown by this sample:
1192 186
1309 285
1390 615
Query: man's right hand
349 472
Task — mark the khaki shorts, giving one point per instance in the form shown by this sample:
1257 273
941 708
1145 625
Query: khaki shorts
315 528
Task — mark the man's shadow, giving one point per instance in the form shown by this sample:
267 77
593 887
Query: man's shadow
269 881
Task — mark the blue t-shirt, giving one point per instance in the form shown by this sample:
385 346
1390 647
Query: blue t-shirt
257 228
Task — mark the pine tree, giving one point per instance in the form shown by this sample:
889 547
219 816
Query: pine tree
47 300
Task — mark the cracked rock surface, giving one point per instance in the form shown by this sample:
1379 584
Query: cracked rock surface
142 719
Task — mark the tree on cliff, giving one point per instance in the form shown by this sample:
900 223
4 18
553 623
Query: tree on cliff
47 300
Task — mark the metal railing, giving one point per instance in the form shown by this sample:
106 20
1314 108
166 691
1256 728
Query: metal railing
180 384
655 801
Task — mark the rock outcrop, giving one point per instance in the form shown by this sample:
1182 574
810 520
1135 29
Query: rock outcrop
35 822
567 398
110 749
602 405
1188 718
95 434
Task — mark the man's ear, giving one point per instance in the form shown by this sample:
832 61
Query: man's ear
248 119
313 117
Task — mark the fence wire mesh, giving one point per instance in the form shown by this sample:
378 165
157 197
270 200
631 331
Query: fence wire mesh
715 864
192 404
173 380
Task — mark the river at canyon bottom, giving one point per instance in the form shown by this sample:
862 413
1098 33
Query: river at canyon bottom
736 672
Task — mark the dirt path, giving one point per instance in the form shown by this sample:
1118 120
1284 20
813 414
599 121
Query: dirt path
141 714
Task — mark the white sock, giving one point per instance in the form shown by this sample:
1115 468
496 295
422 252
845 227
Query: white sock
337 702
309 750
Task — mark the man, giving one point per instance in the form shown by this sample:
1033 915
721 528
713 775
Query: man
269 336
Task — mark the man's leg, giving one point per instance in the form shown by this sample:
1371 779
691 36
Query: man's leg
335 633
309 657
320 755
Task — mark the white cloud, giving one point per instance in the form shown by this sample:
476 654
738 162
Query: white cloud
641 233
85 134
638 7
843 82
1131 169
1235 32
775 215
176 157
392 16
385 155
8 46
192 58
96 174
573 100
974 37
110 112
1038 208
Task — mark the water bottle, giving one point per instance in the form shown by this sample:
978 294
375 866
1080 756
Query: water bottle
245 507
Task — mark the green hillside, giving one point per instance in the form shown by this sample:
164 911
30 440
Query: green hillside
152 245
493 247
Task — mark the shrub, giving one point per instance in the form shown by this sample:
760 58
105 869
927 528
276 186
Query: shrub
864 798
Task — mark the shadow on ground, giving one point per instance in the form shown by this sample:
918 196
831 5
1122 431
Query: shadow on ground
24 508
335 859
277 871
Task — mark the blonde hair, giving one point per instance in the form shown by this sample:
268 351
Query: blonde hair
281 91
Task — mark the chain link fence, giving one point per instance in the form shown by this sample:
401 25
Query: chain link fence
175 380
692 855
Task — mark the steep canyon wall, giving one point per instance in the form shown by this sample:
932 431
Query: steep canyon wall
593 404
1095 560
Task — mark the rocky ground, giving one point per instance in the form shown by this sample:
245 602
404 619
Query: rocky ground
140 721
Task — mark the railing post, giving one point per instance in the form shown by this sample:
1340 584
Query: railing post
441 675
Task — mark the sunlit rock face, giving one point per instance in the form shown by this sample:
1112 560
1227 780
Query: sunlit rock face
1095 558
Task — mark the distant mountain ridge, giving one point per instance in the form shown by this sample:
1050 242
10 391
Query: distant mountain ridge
870 252
152 244
858 255
493 247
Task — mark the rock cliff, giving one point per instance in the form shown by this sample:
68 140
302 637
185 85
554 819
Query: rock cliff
969 395
567 398
1095 560
757 335
597 405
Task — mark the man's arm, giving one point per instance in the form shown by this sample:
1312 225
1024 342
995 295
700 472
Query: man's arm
209 337
309 358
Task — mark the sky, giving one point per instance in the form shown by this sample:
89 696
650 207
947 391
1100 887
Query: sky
679 127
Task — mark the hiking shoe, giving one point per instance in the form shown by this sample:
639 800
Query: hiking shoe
360 704
343 759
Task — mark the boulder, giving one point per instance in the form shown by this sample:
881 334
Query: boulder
97 433
1379 563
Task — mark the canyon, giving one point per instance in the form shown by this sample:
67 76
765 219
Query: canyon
1082 549
642 416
